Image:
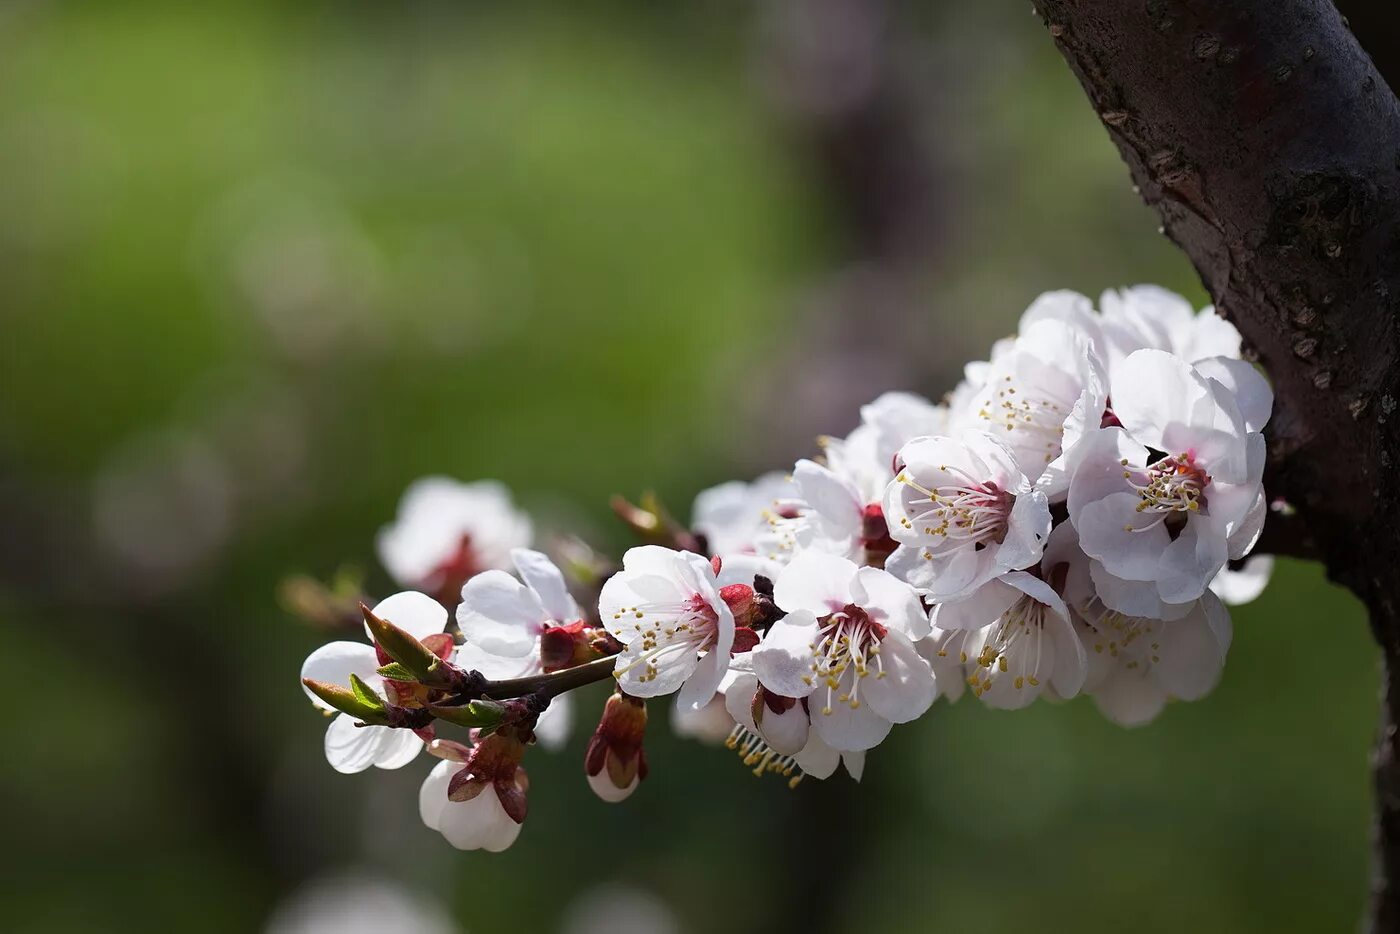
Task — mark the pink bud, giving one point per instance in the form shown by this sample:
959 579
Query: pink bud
615 762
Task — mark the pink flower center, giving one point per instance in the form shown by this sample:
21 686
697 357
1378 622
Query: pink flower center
959 513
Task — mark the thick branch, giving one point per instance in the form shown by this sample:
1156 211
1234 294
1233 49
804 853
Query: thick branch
1270 146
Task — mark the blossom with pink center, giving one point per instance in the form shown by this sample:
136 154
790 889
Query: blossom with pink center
963 514
505 615
665 607
1042 395
1015 639
447 531
732 516
846 645
1138 663
1162 502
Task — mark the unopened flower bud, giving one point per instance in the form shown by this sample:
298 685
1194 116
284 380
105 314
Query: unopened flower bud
567 646
615 762
358 700
400 646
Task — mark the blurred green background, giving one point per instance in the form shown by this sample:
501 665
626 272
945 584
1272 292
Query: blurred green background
263 264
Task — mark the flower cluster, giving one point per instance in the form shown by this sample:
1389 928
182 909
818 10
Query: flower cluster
1071 519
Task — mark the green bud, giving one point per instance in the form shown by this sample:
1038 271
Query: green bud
358 701
480 714
397 672
416 658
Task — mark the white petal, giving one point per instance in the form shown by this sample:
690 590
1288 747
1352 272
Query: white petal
1130 698
903 688
783 660
1251 390
1028 527
547 581
854 761
893 603
604 788
1190 657
1191 562
478 824
1246 584
1133 598
415 613
666 673
335 662
1128 543
351 748
397 749
499 614
814 581
700 687
1246 533
1153 391
432 796
1071 662
552 728
983 606
738 700
785 732
834 498
472 657
817 759
843 727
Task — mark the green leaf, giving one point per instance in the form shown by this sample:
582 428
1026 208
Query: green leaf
364 694
395 671
349 701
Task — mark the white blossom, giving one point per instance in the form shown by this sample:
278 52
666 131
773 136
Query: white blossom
664 607
846 645
1137 663
447 531
505 616
733 515
1165 500
1041 396
1016 640
963 514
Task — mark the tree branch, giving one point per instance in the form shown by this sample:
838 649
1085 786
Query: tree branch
1270 147
552 684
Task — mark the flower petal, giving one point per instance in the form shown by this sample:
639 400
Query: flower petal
335 662
903 688
783 660
815 581
415 613
547 581
499 614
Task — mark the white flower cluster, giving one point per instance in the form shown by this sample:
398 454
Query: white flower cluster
1065 522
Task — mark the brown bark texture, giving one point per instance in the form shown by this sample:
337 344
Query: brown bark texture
1269 144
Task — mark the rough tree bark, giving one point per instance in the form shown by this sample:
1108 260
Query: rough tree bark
1270 146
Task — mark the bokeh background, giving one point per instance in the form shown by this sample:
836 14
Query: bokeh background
263 264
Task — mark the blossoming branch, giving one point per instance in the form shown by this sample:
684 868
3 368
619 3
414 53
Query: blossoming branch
1071 519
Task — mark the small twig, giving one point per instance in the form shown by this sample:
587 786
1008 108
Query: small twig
547 685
